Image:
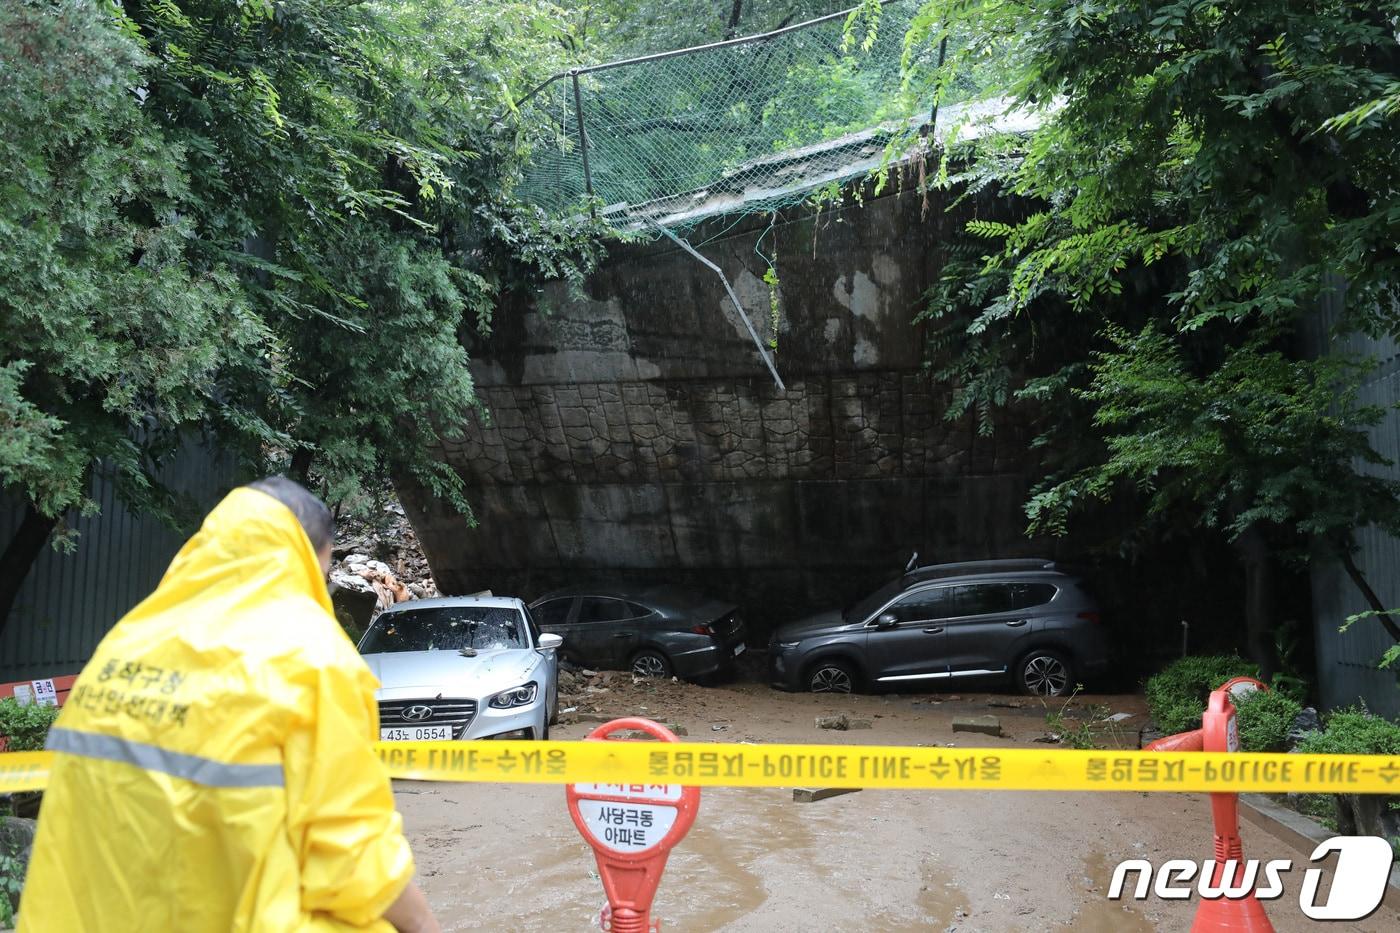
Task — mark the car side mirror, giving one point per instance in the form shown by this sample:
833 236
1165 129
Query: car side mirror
549 641
886 620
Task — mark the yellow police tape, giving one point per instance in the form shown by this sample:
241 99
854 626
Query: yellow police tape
866 766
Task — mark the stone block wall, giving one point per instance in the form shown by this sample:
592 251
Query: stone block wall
870 425
633 432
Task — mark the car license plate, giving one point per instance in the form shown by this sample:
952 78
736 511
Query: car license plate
740 649
416 734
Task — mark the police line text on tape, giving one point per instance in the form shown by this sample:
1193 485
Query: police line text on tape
866 766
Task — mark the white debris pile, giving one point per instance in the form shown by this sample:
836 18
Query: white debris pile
378 563
381 555
362 574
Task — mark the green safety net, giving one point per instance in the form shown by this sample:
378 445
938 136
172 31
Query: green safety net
735 128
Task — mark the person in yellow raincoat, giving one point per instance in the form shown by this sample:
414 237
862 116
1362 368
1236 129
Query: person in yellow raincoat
215 768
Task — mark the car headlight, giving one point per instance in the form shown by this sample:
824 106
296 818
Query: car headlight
788 645
517 696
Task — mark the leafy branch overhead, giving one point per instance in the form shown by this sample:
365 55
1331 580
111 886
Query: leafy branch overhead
267 222
1205 179
264 225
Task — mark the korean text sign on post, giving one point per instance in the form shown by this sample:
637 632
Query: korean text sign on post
632 829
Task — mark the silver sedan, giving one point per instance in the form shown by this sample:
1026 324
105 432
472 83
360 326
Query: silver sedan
462 668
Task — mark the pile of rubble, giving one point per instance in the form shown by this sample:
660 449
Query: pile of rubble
582 690
584 693
377 563
363 574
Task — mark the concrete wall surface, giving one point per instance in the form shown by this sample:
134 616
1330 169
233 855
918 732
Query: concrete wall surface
633 431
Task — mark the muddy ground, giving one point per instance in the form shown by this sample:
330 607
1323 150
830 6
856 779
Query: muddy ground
507 856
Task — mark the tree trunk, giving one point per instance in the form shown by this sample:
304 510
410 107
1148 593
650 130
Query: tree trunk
1369 594
1258 600
300 469
734 15
19 556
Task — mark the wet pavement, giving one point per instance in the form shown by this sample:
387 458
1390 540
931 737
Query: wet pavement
508 857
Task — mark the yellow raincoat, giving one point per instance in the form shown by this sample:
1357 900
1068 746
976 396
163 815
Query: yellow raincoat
215 771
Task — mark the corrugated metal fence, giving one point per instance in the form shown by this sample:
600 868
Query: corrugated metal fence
1346 662
69 601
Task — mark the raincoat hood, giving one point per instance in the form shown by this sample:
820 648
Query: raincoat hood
249 550
215 766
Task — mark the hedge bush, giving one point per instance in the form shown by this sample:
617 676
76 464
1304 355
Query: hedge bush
1353 732
24 728
1264 718
1177 696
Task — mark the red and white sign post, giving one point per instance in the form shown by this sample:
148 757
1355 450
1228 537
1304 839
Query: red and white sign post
632 829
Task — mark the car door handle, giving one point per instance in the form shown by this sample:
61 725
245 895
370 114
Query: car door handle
936 630
1016 623
622 634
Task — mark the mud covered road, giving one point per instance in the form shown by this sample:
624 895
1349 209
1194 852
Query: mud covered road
508 858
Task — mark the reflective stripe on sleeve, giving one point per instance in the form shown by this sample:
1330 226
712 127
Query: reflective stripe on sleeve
194 768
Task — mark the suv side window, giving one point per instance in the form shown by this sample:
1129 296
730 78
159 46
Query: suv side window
983 599
936 603
1030 595
603 609
553 612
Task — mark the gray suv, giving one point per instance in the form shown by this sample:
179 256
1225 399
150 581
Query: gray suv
1027 619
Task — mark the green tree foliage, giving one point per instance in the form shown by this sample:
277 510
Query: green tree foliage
1256 438
342 158
1204 175
603 30
271 221
111 334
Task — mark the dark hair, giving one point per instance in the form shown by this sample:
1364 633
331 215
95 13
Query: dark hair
315 518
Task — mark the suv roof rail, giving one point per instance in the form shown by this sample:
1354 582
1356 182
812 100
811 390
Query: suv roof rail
963 568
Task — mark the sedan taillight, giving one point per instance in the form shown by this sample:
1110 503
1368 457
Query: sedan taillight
1094 617
702 630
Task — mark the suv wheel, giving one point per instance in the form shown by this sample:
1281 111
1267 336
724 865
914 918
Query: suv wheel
831 677
1045 673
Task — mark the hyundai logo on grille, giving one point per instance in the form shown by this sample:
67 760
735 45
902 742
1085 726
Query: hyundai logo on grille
418 713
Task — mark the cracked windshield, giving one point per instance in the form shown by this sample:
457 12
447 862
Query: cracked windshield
445 630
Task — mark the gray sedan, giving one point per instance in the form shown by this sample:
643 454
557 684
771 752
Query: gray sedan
653 631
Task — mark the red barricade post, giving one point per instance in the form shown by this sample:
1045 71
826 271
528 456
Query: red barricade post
1218 733
632 829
